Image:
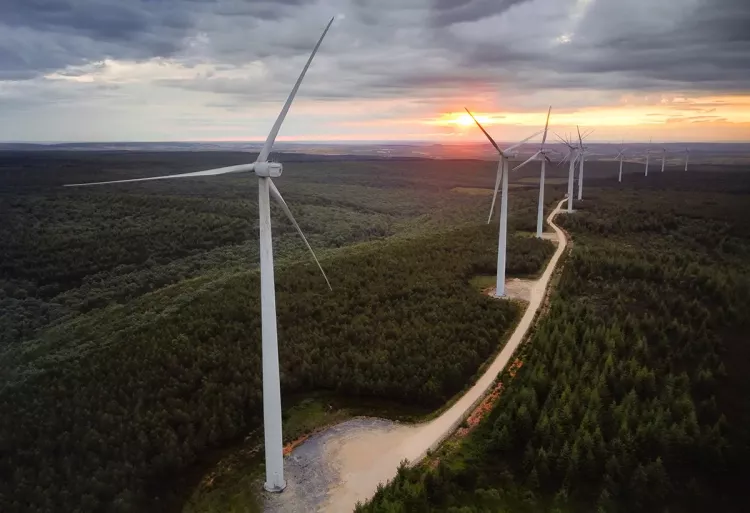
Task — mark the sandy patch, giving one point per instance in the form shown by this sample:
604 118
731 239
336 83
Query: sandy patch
362 459
515 288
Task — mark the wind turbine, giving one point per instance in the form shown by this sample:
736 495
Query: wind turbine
264 170
663 158
648 155
583 150
620 156
502 175
687 157
542 156
573 156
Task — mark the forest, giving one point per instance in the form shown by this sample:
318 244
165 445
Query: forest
131 329
633 393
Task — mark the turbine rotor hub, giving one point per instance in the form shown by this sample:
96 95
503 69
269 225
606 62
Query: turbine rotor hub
268 169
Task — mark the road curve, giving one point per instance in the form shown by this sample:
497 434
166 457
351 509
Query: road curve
441 427
365 458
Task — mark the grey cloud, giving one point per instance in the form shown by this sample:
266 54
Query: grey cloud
40 36
101 20
705 47
614 47
395 48
448 12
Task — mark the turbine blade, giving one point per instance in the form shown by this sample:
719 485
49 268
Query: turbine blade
546 126
208 172
510 148
564 159
277 196
498 177
580 139
263 155
563 141
533 157
485 132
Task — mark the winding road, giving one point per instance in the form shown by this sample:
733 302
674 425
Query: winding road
333 470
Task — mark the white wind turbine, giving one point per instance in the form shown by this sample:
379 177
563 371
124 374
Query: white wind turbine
648 155
502 175
687 157
264 170
620 156
572 155
582 152
542 156
663 158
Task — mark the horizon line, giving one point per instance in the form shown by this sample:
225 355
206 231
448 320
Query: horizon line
350 142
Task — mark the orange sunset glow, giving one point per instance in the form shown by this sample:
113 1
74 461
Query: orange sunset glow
717 117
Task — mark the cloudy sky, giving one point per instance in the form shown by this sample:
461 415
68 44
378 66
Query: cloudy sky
150 70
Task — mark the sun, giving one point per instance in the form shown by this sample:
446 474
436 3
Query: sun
462 119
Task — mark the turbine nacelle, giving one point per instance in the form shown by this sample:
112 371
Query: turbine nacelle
268 169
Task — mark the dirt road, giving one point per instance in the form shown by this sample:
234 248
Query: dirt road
355 460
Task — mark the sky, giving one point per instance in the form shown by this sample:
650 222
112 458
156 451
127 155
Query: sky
215 70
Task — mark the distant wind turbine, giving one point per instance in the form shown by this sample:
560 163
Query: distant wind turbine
620 156
572 155
501 176
648 155
687 157
663 158
264 170
582 151
542 156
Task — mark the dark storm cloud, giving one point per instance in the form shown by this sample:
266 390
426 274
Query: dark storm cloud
44 35
638 45
448 12
391 48
40 36
100 20
708 46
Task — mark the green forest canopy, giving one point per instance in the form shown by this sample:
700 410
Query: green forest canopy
131 321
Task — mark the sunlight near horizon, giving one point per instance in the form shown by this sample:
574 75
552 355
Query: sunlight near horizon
723 117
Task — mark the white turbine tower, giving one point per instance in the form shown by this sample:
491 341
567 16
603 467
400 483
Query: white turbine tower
502 176
620 156
687 157
542 156
648 156
663 158
582 151
572 155
264 170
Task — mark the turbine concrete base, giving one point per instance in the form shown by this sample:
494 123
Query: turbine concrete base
515 289
273 488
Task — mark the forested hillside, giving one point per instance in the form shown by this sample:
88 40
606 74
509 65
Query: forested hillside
69 251
633 394
105 402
